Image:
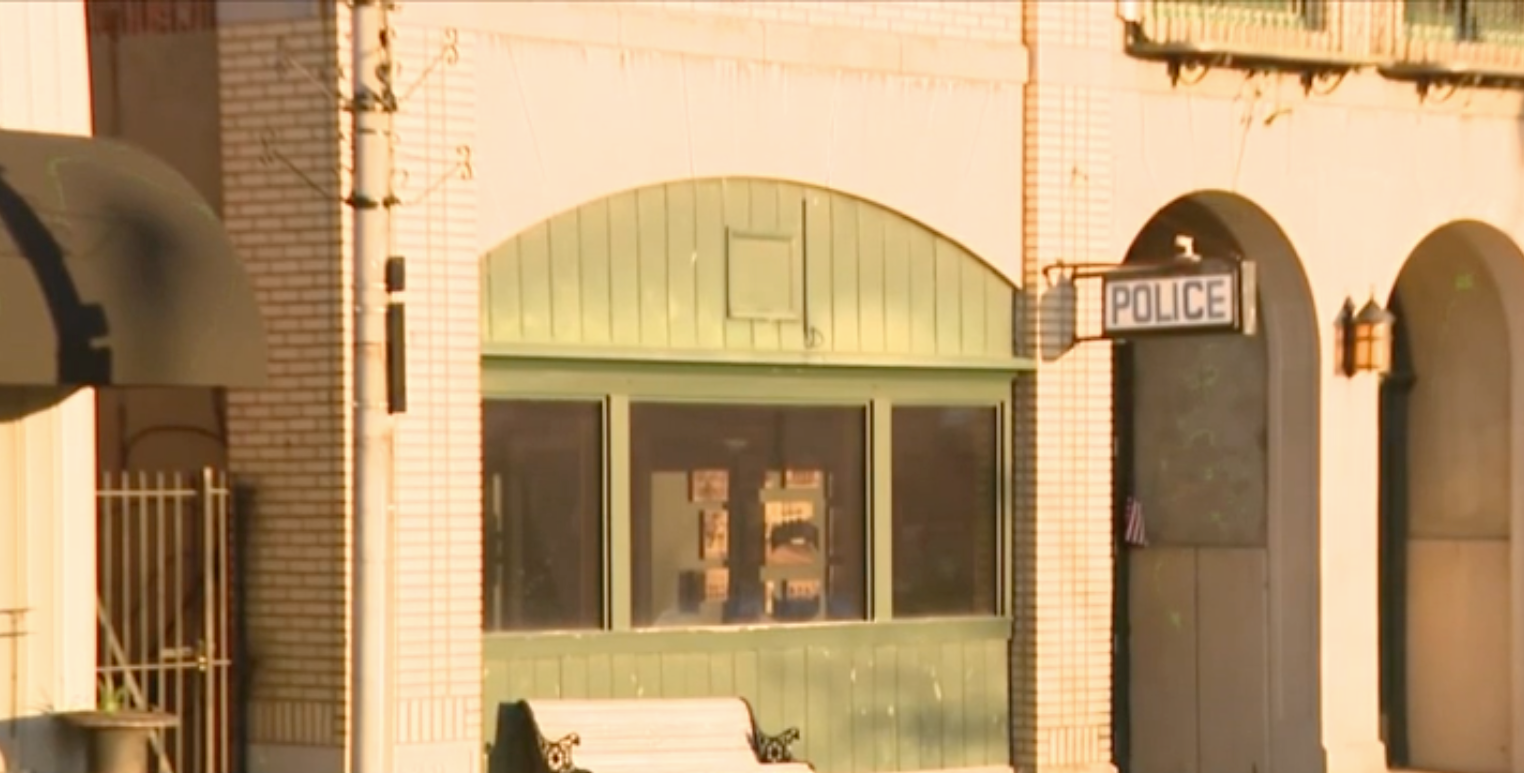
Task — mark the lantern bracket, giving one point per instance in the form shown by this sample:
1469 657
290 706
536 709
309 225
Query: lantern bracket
1363 338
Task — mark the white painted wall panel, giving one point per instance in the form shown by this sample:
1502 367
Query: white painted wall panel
47 447
44 66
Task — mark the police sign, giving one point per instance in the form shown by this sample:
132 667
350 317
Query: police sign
1170 303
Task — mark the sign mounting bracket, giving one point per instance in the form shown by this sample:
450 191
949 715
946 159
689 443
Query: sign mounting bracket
1185 294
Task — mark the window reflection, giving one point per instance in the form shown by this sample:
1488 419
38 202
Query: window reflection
747 514
542 487
945 511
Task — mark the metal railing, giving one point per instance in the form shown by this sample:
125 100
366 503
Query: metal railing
1485 36
1482 35
1319 30
163 552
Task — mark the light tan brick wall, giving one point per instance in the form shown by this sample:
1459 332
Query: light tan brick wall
1063 643
289 440
437 544
974 20
292 440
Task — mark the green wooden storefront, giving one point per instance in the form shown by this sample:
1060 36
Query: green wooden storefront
761 292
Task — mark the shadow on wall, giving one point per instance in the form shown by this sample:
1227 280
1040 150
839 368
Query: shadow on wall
160 92
75 323
1058 320
19 402
1062 317
39 744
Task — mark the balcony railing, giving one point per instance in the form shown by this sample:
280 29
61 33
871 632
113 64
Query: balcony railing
1461 42
1484 38
1273 31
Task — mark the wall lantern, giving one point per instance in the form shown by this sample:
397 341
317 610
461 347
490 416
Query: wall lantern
1363 339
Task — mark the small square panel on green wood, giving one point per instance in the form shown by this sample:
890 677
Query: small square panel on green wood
764 275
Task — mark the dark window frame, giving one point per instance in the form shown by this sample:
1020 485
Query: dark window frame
619 384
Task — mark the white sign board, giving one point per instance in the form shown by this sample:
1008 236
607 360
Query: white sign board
1176 303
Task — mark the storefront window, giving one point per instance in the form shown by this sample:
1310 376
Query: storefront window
747 514
945 511
542 468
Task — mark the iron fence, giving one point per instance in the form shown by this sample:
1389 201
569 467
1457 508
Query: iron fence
164 584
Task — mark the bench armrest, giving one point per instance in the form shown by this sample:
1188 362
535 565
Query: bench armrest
558 753
772 749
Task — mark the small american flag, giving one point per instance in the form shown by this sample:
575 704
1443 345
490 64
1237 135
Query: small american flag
1134 533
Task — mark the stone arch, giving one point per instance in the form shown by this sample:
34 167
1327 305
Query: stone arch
1271 723
1456 310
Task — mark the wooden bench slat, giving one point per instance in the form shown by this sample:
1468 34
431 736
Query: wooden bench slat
668 761
685 735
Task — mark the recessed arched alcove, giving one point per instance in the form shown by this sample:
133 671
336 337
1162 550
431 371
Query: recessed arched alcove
1217 618
751 437
1451 506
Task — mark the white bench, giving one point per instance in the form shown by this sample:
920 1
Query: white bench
700 735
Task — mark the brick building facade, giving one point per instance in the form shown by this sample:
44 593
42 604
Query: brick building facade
1026 133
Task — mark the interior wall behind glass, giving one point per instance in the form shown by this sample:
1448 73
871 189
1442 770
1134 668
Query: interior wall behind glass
946 510
542 476
747 514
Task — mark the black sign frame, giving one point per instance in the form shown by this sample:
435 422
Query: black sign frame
1176 271
1245 286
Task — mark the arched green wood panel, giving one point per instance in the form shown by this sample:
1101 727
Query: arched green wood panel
733 266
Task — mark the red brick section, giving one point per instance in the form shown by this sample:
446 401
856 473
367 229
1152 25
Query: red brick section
149 17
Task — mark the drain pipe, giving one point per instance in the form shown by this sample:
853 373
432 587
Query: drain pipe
372 105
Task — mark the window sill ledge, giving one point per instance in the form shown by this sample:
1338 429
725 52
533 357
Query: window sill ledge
842 633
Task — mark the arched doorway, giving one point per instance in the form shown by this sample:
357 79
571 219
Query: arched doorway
1216 619
1449 505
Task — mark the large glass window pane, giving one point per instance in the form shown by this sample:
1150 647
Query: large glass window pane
747 514
945 511
542 468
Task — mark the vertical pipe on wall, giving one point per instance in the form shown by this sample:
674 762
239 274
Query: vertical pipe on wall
372 106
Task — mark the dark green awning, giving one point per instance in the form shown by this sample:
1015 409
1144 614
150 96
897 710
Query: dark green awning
114 271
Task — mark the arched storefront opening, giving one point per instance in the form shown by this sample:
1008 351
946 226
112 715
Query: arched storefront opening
748 437
1216 619
1450 503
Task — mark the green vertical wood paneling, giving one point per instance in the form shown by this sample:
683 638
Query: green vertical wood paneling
596 273
682 269
565 259
923 291
879 697
647 270
872 319
624 272
735 213
534 283
709 274
650 256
